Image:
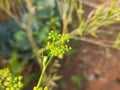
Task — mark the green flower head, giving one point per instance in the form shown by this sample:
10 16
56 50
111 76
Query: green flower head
57 44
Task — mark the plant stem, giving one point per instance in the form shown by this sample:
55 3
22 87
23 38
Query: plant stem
67 17
43 71
95 42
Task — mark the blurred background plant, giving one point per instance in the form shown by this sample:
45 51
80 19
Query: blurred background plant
78 80
93 24
33 25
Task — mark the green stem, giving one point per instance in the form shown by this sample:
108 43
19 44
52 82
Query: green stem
43 71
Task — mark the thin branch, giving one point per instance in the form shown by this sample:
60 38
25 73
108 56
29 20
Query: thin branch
90 4
96 42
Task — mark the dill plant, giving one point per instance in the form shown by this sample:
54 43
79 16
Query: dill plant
56 46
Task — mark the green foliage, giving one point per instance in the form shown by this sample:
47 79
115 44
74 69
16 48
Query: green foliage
21 40
9 81
53 76
15 65
6 37
102 16
78 80
44 8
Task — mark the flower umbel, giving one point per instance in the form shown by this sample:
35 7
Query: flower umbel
8 81
57 44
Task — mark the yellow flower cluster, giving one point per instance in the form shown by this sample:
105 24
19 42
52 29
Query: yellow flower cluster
57 44
8 81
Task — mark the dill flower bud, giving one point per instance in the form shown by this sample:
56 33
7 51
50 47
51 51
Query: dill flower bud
57 44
